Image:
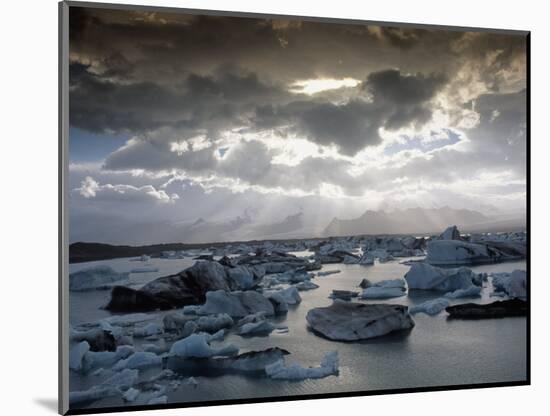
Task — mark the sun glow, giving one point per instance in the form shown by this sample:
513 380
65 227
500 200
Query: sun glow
314 86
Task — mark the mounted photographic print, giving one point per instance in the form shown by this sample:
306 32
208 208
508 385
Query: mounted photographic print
264 208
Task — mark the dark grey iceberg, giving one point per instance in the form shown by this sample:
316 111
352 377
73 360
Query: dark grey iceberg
348 321
188 287
498 309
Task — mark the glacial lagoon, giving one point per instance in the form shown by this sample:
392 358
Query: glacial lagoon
436 352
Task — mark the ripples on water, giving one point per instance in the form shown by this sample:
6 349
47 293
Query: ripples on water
436 352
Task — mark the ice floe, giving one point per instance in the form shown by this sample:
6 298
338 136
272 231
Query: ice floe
95 278
430 307
280 371
349 321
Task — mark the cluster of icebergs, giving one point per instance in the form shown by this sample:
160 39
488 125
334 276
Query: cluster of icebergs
243 291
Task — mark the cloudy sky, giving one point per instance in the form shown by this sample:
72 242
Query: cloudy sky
178 120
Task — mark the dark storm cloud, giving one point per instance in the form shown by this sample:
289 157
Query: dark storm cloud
397 101
205 102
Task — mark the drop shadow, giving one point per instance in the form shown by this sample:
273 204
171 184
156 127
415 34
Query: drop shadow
48 404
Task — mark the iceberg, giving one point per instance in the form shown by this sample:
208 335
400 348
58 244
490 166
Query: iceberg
97 338
148 330
306 285
343 294
138 360
328 272
450 233
256 328
456 252
280 371
469 292
111 387
513 284
145 269
248 362
427 277
385 289
349 321
76 355
235 304
498 309
188 287
95 278
430 307
198 346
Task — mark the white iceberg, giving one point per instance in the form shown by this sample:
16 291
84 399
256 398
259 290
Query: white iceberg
513 284
95 278
280 371
198 346
427 277
256 328
139 360
469 292
430 307
76 355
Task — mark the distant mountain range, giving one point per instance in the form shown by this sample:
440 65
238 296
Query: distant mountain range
407 221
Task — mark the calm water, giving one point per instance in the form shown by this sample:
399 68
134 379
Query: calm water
435 352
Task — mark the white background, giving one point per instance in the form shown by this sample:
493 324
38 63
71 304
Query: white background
28 231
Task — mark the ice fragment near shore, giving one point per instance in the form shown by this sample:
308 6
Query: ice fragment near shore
280 371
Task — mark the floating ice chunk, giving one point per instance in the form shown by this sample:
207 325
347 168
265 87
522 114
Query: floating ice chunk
469 292
130 395
449 252
350 321
306 285
110 387
350 260
256 328
366 259
139 360
378 292
513 284
252 318
385 289
192 381
430 307
217 336
235 304
157 349
128 319
450 233
76 355
198 346
290 295
105 359
425 276
152 328
214 323
280 371
97 277
328 272
158 400
145 269
343 294
191 309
